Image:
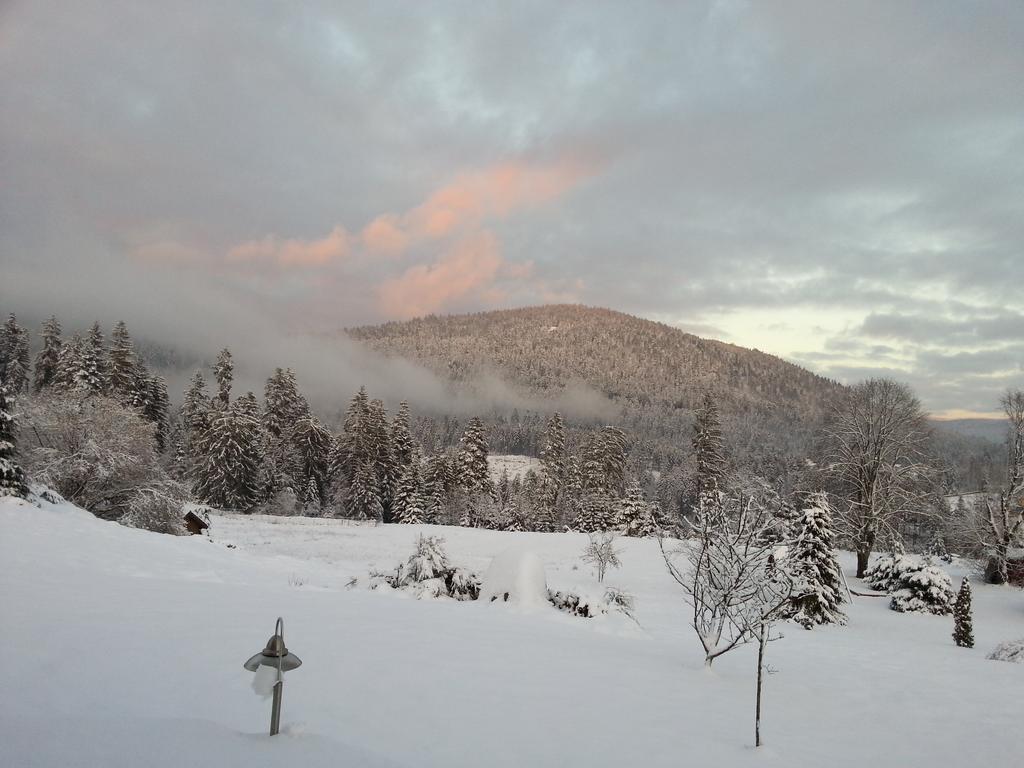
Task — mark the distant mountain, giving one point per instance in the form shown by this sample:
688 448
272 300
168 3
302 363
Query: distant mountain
651 373
987 429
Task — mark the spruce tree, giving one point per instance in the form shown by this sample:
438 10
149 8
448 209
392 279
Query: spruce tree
553 458
401 440
156 407
93 365
311 447
228 474
474 477
818 588
598 511
364 496
223 374
604 461
12 478
405 492
69 362
709 455
14 356
196 417
48 359
312 505
963 629
125 381
380 455
635 513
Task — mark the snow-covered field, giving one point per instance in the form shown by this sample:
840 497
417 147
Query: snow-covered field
515 464
124 648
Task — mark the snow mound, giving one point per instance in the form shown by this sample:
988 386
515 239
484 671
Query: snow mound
1012 650
516 576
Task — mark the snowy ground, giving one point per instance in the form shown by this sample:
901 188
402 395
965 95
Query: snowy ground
124 648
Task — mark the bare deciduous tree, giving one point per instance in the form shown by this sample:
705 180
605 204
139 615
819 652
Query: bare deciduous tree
601 553
733 584
1002 516
877 446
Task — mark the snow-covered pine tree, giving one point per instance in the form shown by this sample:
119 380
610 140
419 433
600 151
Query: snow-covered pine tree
228 473
350 451
635 513
553 459
406 494
14 356
604 461
364 497
709 456
12 478
598 511
47 360
283 405
312 445
69 362
472 459
439 481
812 563
93 365
378 443
223 374
125 382
312 504
963 629
196 415
401 440
156 408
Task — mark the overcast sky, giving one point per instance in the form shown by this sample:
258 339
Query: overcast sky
841 184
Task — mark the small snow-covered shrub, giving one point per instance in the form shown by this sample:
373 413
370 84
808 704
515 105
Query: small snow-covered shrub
1012 650
601 553
921 588
590 604
883 573
428 574
159 509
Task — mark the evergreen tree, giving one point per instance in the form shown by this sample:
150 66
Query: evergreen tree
604 461
93 366
223 374
553 458
228 473
48 359
709 454
125 381
815 569
401 440
380 455
963 629
408 502
312 445
350 451
14 356
283 405
196 416
472 460
69 363
635 513
313 505
364 495
156 408
12 478
598 512
440 482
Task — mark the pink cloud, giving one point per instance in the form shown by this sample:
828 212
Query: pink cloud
494 192
471 265
385 235
295 252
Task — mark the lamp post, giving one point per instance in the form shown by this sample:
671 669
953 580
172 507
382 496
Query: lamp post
277 660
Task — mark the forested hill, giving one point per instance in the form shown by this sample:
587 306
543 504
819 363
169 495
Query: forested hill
654 374
544 349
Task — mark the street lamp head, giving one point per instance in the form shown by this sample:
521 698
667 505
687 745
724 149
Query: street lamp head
276 653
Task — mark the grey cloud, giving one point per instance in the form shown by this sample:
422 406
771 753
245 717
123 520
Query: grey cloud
864 157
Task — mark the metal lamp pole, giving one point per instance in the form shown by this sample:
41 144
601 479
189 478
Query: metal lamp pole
277 656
